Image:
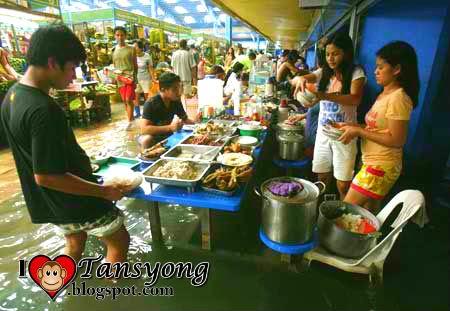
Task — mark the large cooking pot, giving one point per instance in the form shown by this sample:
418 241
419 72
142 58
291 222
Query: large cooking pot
291 146
342 242
290 220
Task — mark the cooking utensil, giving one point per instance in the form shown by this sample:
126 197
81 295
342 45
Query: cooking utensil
340 241
290 220
291 146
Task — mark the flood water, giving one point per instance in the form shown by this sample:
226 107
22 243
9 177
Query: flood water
243 275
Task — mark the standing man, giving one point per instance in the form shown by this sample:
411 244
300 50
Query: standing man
124 60
184 66
55 172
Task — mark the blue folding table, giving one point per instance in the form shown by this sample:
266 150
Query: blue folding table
199 199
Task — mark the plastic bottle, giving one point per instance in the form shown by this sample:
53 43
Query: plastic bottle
283 111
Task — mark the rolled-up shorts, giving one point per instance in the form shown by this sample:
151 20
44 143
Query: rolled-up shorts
127 92
143 86
187 87
100 227
375 181
334 156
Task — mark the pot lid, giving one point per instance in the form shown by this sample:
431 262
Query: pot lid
291 137
309 192
284 126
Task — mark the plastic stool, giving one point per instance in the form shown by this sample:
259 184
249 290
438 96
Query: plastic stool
291 165
290 249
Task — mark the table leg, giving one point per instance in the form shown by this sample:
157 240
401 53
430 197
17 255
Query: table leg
155 223
205 223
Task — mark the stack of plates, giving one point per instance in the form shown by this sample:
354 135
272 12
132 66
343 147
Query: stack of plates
306 98
246 141
332 132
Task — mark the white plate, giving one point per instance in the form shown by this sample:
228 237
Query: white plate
235 159
303 100
189 127
129 179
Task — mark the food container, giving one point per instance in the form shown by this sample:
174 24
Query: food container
283 128
222 140
290 220
246 141
250 130
201 168
215 191
340 241
291 146
199 153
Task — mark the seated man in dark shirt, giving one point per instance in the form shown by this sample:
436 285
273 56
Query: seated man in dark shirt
158 120
55 173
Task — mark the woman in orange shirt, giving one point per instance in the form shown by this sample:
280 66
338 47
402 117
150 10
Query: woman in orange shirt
384 134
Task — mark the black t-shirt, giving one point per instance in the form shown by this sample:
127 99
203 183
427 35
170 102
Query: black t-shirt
156 111
42 143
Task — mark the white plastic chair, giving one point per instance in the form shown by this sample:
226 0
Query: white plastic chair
372 263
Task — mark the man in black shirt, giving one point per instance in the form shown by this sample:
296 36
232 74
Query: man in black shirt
158 120
54 171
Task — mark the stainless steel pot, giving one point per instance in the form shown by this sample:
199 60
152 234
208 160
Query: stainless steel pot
291 146
290 220
283 128
342 242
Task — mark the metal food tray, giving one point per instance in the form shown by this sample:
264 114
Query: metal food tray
210 151
186 183
220 192
185 140
212 169
230 127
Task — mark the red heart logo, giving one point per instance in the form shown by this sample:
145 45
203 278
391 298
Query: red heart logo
52 275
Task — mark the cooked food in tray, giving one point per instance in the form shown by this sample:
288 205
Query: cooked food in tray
237 148
210 128
227 179
155 151
204 139
177 170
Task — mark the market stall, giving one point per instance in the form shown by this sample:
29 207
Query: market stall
85 102
18 22
213 48
95 29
